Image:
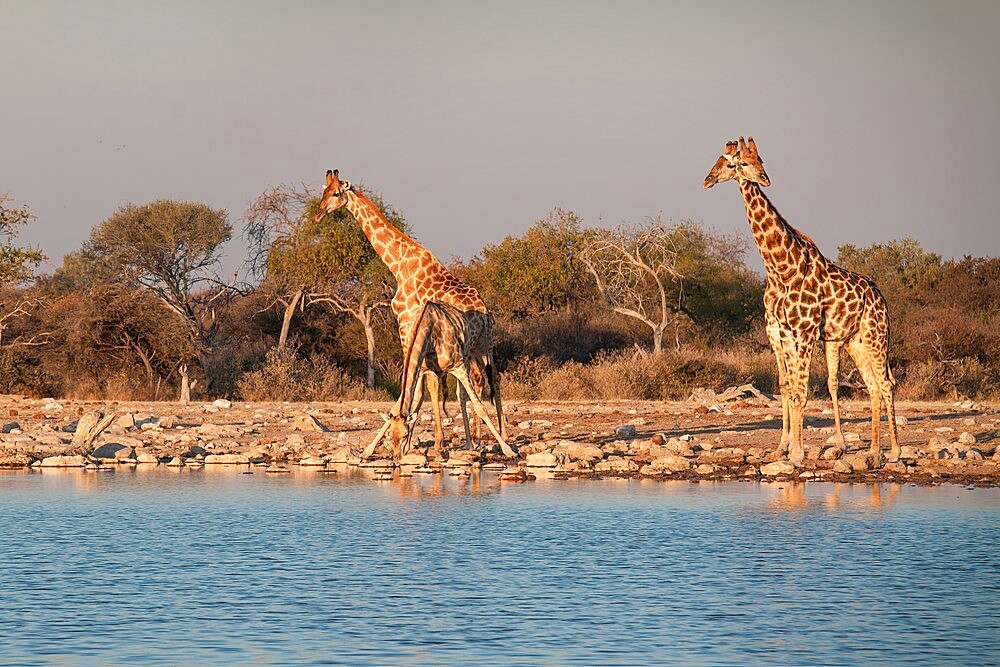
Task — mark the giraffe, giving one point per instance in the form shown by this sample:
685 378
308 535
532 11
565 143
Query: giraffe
809 298
420 277
442 341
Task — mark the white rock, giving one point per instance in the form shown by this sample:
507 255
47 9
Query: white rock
413 459
967 438
544 459
146 457
310 461
843 467
671 463
777 468
625 431
76 461
227 459
901 420
617 465
222 403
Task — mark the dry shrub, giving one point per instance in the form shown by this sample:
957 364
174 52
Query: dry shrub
624 375
285 376
523 377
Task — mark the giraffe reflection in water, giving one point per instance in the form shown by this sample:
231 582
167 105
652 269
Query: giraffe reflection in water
792 495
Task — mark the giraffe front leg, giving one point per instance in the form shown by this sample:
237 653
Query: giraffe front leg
774 337
833 384
435 390
799 382
480 410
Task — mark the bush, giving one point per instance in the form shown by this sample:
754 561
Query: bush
285 376
634 375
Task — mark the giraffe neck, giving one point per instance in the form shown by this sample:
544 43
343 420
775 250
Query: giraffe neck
784 249
397 250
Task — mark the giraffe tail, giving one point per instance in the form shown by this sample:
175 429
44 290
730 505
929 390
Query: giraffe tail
888 372
489 379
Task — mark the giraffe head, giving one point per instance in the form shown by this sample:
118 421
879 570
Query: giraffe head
334 194
749 165
741 161
724 168
400 431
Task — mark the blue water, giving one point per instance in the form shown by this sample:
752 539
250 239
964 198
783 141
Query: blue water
214 567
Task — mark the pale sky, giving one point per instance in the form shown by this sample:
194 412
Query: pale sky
876 120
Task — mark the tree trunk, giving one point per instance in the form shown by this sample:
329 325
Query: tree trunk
657 341
286 323
185 385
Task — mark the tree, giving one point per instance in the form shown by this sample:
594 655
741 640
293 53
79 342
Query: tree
16 266
330 261
536 272
113 338
635 269
667 277
170 248
897 267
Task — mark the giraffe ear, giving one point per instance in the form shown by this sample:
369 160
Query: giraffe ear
329 177
743 146
752 145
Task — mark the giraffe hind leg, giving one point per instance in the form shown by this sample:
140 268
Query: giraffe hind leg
863 360
833 383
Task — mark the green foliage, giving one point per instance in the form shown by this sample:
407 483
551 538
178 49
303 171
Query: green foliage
167 245
533 273
16 263
899 268
332 252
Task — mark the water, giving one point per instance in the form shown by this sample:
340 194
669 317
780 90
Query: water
214 567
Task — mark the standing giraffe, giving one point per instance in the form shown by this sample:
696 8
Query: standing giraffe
809 298
420 278
441 342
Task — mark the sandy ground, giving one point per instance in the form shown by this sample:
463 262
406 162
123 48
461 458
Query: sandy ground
942 442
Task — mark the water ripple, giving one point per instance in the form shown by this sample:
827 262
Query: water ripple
217 568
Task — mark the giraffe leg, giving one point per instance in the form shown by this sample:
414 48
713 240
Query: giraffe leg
463 399
833 383
493 377
890 414
480 409
862 358
434 389
774 337
801 353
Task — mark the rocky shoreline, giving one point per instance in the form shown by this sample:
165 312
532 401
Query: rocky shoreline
688 440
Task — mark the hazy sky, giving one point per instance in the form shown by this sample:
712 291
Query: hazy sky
876 120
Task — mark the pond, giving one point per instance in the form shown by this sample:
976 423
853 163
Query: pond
218 567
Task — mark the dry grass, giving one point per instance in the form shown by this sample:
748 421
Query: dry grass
287 377
669 376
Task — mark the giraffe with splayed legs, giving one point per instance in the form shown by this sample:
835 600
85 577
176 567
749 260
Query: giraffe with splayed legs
442 342
809 298
420 278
